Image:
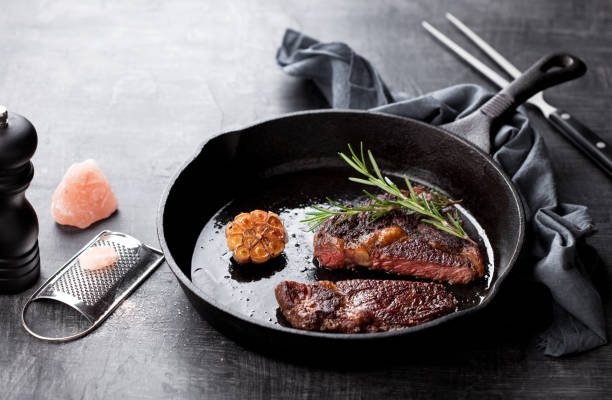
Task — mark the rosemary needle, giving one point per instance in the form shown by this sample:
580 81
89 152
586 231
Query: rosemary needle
429 210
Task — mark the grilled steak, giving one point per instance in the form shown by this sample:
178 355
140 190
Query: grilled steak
362 305
400 243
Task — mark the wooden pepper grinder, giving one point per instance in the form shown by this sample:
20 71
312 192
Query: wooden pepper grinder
19 256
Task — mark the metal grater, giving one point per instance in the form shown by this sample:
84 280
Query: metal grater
96 294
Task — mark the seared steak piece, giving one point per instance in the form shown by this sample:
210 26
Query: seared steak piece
399 243
362 305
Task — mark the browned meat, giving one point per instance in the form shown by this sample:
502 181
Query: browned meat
362 305
399 243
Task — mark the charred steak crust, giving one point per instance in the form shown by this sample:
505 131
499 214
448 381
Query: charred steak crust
399 243
362 305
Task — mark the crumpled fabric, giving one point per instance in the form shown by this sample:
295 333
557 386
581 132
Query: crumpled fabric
348 80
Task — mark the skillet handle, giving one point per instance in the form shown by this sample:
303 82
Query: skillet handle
548 71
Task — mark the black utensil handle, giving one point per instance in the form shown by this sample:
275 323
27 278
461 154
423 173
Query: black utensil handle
546 72
584 139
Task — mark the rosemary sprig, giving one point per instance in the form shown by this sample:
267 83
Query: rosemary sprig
429 210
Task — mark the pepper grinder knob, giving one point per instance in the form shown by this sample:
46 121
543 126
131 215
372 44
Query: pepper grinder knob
19 255
3 116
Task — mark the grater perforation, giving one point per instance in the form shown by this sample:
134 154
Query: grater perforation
96 293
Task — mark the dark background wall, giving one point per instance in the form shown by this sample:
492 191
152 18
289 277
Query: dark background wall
137 85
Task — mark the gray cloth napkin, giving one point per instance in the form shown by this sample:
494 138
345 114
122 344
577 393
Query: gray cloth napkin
348 80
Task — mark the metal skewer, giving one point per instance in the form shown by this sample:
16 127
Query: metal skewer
484 46
470 59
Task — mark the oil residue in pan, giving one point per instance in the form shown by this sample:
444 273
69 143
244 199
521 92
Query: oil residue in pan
249 289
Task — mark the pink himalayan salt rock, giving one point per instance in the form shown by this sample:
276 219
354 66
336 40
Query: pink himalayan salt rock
95 258
83 197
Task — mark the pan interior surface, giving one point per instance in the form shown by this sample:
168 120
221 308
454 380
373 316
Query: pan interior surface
249 289
285 164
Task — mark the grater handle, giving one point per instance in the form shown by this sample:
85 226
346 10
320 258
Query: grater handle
54 339
35 296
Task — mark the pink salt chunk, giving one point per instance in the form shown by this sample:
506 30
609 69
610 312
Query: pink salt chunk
99 257
83 197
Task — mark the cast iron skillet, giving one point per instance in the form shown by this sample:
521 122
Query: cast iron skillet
292 161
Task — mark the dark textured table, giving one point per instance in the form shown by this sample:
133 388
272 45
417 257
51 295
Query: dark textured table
137 85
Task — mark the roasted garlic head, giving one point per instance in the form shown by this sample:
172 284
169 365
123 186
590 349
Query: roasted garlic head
256 236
